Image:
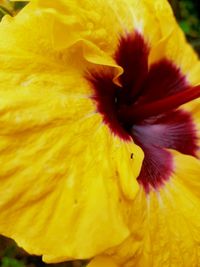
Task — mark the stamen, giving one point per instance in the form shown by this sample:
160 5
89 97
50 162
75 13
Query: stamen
138 112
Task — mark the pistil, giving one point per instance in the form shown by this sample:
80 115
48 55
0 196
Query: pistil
138 112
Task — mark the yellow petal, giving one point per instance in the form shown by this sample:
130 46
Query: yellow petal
102 262
83 21
165 225
63 191
154 19
188 169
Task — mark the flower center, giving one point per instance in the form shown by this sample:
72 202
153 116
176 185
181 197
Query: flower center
145 110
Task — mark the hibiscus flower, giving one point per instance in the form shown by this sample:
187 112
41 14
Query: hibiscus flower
99 133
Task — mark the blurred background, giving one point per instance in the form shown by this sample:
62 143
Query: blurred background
187 13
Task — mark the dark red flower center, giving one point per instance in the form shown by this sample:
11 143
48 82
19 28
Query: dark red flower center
145 108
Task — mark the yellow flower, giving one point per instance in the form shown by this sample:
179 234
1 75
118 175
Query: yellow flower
97 156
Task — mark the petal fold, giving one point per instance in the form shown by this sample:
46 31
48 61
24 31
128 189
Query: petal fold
102 262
